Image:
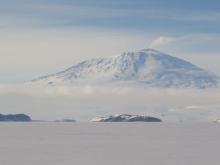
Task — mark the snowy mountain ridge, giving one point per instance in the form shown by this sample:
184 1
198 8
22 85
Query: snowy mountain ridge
147 67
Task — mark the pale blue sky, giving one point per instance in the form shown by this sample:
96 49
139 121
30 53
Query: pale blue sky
170 16
43 36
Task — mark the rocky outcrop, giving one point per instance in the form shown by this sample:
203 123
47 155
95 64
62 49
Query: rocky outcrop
126 118
15 117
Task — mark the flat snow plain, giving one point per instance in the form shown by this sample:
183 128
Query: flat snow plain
48 143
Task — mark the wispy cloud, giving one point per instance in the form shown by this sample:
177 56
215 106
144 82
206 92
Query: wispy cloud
188 42
162 40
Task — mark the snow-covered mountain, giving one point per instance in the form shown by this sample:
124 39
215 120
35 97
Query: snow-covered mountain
146 67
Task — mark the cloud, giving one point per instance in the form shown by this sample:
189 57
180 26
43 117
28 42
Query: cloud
162 40
86 102
189 41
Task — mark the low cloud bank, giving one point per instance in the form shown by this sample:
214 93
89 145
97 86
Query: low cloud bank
85 102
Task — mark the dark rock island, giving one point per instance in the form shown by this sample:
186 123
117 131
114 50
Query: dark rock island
15 117
126 118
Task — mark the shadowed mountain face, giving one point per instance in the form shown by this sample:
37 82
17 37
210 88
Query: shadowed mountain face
146 67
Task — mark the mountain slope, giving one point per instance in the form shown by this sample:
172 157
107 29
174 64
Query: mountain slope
146 67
